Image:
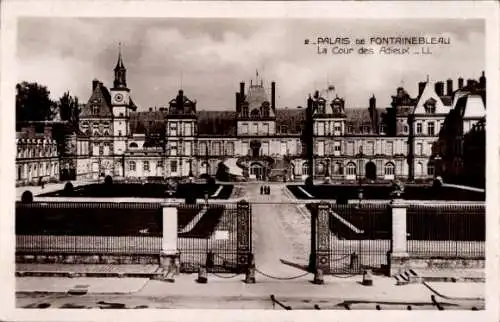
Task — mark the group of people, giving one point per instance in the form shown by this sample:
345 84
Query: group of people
265 190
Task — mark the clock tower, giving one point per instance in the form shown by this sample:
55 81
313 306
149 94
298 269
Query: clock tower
120 102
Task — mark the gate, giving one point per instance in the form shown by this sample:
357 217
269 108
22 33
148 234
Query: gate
218 236
347 239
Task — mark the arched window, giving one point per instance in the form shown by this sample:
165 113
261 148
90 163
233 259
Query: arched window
133 145
389 169
96 133
430 168
305 168
106 133
351 168
420 168
321 168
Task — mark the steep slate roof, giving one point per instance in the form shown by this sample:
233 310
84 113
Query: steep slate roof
471 106
256 96
427 94
100 96
217 123
147 122
292 118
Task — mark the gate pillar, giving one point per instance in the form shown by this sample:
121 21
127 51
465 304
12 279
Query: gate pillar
323 237
243 235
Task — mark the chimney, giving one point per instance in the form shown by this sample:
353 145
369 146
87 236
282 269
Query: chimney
373 102
460 83
242 91
273 96
449 87
238 102
439 88
95 83
421 86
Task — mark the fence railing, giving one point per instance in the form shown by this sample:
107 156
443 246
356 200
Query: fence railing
216 235
447 231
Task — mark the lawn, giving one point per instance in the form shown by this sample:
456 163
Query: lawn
146 190
383 192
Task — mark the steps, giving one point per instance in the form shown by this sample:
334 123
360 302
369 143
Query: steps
412 276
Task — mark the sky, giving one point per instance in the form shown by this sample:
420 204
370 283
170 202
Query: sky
210 57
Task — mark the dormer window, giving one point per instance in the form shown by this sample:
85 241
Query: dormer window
430 106
255 113
350 128
95 109
284 129
366 129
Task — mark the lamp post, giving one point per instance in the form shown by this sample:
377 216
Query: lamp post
437 166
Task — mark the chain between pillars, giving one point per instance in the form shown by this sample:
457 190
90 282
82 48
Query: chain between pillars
243 235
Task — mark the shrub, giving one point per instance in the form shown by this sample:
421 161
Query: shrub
108 180
309 182
27 196
211 182
68 189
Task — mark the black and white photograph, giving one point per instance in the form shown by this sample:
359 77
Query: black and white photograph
300 161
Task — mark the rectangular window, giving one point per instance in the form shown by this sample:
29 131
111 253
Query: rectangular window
119 133
370 148
350 148
265 148
419 128
350 129
132 165
173 129
230 148
159 164
430 128
321 128
244 148
321 148
389 148
217 149
284 129
173 148
203 149
254 128
146 165
173 166
338 128
244 128
419 149
187 129
188 148
266 129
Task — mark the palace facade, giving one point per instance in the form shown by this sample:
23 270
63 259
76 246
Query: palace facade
257 139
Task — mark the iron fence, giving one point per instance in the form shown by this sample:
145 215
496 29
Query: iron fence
446 231
88 227
209 235
360 237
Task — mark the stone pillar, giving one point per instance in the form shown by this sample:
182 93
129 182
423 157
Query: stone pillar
243 235
323 238
169 256
399 254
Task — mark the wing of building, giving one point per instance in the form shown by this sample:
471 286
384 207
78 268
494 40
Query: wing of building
258 139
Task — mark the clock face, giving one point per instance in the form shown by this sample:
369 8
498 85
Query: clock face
118 97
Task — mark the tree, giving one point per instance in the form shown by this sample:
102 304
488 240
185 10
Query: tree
33 103
69 109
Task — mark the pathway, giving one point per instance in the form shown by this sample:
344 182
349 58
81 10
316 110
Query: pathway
280 231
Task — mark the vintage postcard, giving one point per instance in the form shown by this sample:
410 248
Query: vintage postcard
330 159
